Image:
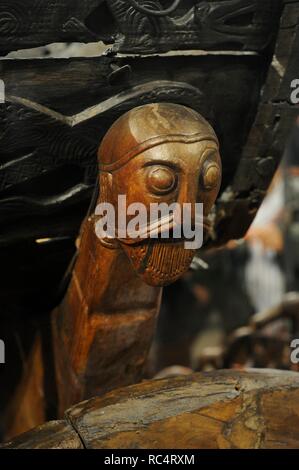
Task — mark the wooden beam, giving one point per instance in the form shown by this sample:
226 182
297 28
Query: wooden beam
216 410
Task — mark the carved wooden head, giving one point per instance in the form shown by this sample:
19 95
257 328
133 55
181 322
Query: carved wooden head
160 153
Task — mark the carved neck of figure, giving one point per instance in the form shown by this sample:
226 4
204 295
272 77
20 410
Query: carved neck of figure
104 327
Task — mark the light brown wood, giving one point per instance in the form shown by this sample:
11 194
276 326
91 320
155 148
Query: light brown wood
28 407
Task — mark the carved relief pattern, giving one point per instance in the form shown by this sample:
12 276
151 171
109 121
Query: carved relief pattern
141 25
236 24
43 21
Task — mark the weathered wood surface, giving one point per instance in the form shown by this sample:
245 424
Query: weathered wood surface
52 435
219 410
229 24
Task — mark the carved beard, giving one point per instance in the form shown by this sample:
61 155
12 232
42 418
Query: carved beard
159 263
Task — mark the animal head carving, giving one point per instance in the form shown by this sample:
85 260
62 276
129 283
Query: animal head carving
159 153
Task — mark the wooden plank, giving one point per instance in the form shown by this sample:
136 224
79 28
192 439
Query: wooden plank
223 25
219 410
255 409
35 23
52 435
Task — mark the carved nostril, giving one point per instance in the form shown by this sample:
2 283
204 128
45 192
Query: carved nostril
211 175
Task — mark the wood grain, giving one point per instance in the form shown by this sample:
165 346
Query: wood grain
218 410
52 435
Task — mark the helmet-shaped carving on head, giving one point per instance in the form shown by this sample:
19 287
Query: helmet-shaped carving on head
160 153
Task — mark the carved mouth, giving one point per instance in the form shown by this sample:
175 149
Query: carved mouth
164 230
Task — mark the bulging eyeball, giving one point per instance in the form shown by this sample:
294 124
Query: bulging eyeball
211 175
161 180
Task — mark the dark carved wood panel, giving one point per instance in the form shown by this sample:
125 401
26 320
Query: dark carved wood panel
268 136
134 26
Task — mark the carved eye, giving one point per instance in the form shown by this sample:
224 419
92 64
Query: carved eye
161 180
211 175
